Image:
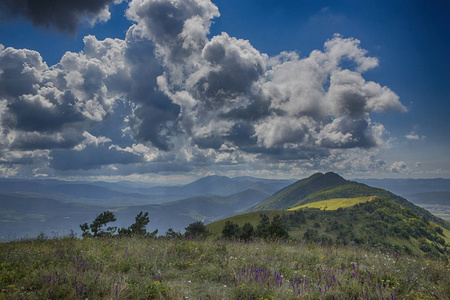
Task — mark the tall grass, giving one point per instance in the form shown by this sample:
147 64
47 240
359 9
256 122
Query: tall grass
143 268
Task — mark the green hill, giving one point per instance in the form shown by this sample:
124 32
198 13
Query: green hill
292 195
379 223
320 187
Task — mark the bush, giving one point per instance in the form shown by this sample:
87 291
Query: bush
196 230
247 232
230 230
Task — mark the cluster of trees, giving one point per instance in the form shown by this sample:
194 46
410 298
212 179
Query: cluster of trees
275 230
98 228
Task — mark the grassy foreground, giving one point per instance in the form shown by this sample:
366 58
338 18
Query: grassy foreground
143 268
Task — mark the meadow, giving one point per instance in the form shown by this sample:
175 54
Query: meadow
139 267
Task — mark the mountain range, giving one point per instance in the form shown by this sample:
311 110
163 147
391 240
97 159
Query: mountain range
60 206
28 207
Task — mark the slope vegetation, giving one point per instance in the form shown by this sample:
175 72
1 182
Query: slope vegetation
327 186
334 204
379 223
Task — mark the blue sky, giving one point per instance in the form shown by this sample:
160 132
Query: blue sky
189 88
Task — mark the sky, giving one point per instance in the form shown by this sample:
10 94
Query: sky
173 90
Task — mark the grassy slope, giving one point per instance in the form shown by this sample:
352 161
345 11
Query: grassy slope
320 187
142 268
334 204
382 223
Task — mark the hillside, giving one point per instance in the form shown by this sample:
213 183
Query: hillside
376 222
320 187
291 195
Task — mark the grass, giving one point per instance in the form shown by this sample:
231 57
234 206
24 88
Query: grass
334 204
143 268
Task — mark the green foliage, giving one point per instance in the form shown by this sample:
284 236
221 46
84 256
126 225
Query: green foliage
277 229
262 230
170 233
247 232
230 230
196 230
96 228
319 187
138 227
376 223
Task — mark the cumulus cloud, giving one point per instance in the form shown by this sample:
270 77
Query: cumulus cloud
398 167
169 93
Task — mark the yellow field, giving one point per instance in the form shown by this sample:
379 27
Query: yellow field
334 204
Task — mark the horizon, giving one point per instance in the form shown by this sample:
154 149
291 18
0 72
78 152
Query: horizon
189 180
160 91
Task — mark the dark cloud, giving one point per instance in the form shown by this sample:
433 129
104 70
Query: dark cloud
34 116
209 142
56 14
90 158
234 66
176 27
155 123
67 138
348 133
20 71
243 135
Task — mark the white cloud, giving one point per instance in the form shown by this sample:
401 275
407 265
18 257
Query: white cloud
412 136
399 167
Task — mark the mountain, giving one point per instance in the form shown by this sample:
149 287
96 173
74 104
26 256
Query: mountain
330 185
28 214
78 192
31 213
127 193
294 194
221 186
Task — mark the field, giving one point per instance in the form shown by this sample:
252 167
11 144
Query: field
334 204
144 268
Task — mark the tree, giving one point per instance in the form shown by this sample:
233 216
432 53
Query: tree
97 225
247 232
170 233
138 227
262 230
230 230
196 229
277 230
